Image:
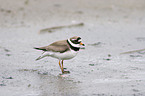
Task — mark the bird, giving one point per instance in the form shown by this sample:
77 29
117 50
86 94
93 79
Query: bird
62 50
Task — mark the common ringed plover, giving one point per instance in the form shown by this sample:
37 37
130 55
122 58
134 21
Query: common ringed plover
62 50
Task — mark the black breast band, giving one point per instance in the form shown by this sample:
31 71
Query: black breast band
72 47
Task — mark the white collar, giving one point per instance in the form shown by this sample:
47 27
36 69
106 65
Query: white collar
74 45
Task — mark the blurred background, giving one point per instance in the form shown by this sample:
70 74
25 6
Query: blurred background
107 27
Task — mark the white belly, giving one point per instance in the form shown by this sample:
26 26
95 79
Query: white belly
63 56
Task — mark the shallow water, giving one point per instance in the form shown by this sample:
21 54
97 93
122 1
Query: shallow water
99 70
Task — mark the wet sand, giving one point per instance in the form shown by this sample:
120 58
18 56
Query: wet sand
110 28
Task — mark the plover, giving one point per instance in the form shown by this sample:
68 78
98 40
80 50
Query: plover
62 50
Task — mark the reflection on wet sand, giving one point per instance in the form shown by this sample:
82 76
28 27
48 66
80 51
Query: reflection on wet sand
57 85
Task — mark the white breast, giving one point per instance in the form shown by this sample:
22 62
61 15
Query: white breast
62 56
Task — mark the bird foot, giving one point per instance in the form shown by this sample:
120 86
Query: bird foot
66 72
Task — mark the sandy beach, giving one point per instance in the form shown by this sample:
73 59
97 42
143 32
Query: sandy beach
111 65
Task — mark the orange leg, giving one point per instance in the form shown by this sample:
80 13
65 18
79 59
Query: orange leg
64 72
62 64
61 67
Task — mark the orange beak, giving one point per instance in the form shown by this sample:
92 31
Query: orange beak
82 44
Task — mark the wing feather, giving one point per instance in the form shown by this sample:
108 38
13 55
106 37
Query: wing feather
59 46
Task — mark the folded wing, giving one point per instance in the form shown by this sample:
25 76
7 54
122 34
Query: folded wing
59 46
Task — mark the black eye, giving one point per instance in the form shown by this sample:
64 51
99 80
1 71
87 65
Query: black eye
79 38
75 42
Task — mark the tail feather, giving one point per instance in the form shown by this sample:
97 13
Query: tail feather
40 49
36 48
